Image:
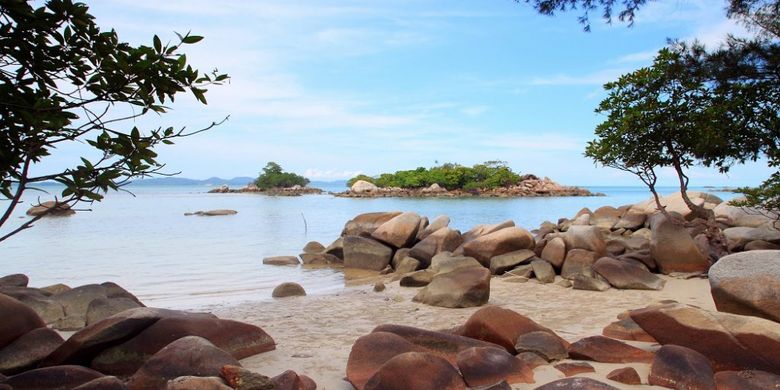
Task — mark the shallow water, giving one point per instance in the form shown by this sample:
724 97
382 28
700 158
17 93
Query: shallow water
147 245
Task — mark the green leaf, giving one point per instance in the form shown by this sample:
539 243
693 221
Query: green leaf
157 44
190 39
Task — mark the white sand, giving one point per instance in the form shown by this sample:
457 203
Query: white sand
314 334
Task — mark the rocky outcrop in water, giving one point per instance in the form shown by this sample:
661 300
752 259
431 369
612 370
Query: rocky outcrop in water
530 187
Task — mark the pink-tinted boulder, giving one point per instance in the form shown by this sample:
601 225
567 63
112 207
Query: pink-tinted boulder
678 367
606 350
487 366
416 370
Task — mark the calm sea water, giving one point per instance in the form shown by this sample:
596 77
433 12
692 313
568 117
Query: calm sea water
146 244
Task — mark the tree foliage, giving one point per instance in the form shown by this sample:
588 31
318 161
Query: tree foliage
63 80
490 174
625 8
273 176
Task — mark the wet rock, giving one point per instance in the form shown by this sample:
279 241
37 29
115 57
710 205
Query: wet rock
576 384
487 366
288 289
14 280
627 275
627 375
543 271
213 213
400 231
673 248
746 380
18 319
417 279
574 368
105 383
678 367
501 326
239 378
319 259
463 287
402 372
729 341
578 262
497 243
190 355
502 263
606 350
336 248
748 283
582 282
443 240
52 378
281 260
542 343
365 253
555 252
28 350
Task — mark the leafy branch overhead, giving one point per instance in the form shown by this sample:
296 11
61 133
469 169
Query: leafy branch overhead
65 81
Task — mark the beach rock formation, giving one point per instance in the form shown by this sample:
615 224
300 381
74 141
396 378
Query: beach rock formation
281 260
673 248
502 327
463 287
288 289
606 350
400 231
51 208
497 243
212 213
485 366
678 367
416 370
748 283
60 377
28 350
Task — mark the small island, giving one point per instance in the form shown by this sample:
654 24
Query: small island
273 181
493 179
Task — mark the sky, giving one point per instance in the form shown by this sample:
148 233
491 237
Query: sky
330 89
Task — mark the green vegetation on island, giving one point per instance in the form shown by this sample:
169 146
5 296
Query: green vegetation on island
273 176
488 175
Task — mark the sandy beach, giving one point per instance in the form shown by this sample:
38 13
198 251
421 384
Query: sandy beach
314 334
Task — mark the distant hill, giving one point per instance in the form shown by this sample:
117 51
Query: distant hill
181 181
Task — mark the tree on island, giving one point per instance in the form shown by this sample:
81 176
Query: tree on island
488 175
693 106
64 81
273 176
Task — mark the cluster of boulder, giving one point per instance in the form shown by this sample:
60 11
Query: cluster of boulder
685 348
51 208
124 348
530 186
295 190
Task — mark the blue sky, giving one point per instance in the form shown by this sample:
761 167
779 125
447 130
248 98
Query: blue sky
329 89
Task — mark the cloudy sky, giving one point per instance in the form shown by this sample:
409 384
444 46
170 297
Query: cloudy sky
329 89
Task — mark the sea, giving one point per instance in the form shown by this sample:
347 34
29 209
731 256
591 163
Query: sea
142 240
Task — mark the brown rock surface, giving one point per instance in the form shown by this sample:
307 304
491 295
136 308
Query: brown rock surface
746 380
487 366
501 326
624 274
463 287
51 378
18 319
678 367
405 371
400 231
606 350
748 283
506 240
627 375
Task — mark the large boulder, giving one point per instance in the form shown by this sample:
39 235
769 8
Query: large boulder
501 326
589 238
577 383
605 217
444 345
442 240
578 262
729 341
281 260
107 383
497 243
365 253
14 280
400 231
544 271
51 378
627 274
675 203
28 350
502 263
36 299
239 339
738 237
373 350
606 350
678 367
632 219
363 187
741 216
545 344
187 356
439 222
555 252
748 283
673 248
481 230
463 287
288 289
17 319
746 380
482 366
446 262
365 224
416 370
102 308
